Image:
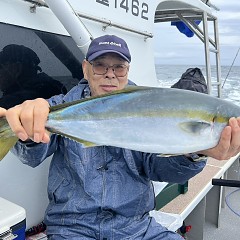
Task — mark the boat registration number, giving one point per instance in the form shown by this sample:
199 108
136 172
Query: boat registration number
137 8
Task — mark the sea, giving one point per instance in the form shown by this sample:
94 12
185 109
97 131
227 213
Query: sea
167 75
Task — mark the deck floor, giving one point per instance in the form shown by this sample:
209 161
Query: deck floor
229 228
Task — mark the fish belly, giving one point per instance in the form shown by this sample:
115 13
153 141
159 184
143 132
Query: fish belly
151 135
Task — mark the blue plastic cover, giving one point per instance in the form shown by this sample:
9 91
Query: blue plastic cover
183 28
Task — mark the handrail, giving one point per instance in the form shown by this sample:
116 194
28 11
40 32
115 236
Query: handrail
108 23
172 15
112 24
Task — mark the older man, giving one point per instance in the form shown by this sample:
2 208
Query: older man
102 192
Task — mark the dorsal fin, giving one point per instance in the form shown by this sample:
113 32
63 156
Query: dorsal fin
128 89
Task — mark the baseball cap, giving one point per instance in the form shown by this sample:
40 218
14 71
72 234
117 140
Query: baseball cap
108 44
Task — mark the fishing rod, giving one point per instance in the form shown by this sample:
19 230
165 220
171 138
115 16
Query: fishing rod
231 67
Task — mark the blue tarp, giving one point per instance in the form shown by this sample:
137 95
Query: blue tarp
183 28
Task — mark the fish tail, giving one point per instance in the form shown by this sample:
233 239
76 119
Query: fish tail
7 138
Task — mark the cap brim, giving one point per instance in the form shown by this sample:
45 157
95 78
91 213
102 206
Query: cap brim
99 53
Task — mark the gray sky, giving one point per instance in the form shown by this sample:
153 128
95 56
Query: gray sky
173 47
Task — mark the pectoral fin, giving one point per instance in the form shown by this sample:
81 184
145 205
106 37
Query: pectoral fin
194 127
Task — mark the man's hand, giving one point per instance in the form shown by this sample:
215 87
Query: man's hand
28 119
2 112
229 143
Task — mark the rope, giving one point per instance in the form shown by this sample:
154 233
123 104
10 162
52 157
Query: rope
227 200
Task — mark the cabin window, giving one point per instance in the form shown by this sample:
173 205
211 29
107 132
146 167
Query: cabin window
36 64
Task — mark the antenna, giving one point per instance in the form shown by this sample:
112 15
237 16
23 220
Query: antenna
231 67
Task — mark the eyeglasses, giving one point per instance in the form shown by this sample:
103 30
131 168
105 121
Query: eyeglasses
120 70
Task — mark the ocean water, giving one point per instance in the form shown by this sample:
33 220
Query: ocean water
167 75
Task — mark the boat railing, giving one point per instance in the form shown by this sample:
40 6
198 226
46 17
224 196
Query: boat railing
106 23
189 16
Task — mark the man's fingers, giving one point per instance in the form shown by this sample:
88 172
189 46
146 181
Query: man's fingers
229 143
40 118
225 139
235 136
12 116
46 137
238 120
28 120
2 112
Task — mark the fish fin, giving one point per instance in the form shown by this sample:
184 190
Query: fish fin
128 89
7 138
168 155
194 127
84 143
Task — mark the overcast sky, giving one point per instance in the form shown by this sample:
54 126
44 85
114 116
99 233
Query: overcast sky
173 47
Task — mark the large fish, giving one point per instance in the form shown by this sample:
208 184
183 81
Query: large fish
155 120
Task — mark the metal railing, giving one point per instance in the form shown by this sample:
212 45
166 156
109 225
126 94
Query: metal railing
189 16
106 23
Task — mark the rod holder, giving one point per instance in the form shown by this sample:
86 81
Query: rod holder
225 182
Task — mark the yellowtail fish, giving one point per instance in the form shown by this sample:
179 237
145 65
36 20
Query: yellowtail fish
147 119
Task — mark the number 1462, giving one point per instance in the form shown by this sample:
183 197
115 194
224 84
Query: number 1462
134 7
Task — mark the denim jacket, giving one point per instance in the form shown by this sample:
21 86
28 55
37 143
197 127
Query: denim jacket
102 192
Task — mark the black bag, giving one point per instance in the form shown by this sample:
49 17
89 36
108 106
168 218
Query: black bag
193 80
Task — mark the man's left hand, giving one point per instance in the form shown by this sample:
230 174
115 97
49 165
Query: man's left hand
229 143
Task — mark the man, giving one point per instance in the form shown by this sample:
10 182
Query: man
102 192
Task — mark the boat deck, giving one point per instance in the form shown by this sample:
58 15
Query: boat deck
229 222
203 206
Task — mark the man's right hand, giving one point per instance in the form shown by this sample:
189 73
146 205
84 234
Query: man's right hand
2 112
28 120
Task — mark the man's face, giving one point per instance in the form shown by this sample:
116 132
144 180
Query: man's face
110 80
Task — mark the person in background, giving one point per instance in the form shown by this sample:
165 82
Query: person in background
21 78
103 192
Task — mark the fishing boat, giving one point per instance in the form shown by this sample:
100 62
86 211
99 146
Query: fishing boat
59 32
